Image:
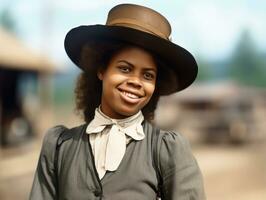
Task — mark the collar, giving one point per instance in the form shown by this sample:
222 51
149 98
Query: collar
130 126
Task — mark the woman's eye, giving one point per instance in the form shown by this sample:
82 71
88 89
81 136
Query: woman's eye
124 69
148 76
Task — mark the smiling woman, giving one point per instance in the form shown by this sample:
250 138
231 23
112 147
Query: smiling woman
118 153
89 86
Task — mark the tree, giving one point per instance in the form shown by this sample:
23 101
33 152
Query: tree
204 71
7 21
247 64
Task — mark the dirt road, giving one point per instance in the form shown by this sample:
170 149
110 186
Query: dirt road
234 172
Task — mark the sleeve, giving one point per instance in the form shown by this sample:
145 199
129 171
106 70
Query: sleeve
181 176
43 187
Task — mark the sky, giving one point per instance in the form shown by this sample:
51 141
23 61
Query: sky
209 29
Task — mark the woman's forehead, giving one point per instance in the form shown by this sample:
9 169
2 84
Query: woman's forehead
135 56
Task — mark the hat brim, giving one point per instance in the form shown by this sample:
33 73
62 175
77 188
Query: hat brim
177 58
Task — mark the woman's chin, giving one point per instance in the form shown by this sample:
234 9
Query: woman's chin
127 111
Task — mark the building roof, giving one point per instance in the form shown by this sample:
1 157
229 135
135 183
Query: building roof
16 55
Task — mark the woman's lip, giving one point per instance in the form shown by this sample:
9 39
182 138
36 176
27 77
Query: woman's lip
129 97
131 92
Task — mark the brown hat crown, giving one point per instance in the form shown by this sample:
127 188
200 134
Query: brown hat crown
140 18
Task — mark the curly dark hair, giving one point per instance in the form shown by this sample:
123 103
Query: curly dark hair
96 55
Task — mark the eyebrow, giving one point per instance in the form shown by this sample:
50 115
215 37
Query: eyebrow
130 64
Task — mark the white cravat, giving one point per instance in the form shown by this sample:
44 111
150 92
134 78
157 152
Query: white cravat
109 137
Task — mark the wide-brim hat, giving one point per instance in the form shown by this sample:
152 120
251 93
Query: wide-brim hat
143 27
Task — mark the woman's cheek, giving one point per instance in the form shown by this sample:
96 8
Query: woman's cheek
150 88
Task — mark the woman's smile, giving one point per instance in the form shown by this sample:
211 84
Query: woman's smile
130 97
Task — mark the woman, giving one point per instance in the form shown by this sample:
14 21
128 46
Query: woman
117 154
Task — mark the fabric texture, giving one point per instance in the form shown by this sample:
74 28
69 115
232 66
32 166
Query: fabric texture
109 137
135 178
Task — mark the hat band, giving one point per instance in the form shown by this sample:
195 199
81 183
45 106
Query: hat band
142 26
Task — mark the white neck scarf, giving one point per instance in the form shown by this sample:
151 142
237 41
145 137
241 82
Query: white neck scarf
115 132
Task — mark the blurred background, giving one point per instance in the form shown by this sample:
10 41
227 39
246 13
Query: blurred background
223 114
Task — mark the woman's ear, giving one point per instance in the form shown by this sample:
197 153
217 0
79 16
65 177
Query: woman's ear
100 74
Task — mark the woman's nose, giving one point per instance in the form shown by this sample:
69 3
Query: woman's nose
135 82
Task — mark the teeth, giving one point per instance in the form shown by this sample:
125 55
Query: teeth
133 96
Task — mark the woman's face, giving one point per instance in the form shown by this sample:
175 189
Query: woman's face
128 82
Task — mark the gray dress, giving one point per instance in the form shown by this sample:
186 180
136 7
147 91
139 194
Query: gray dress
135 178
